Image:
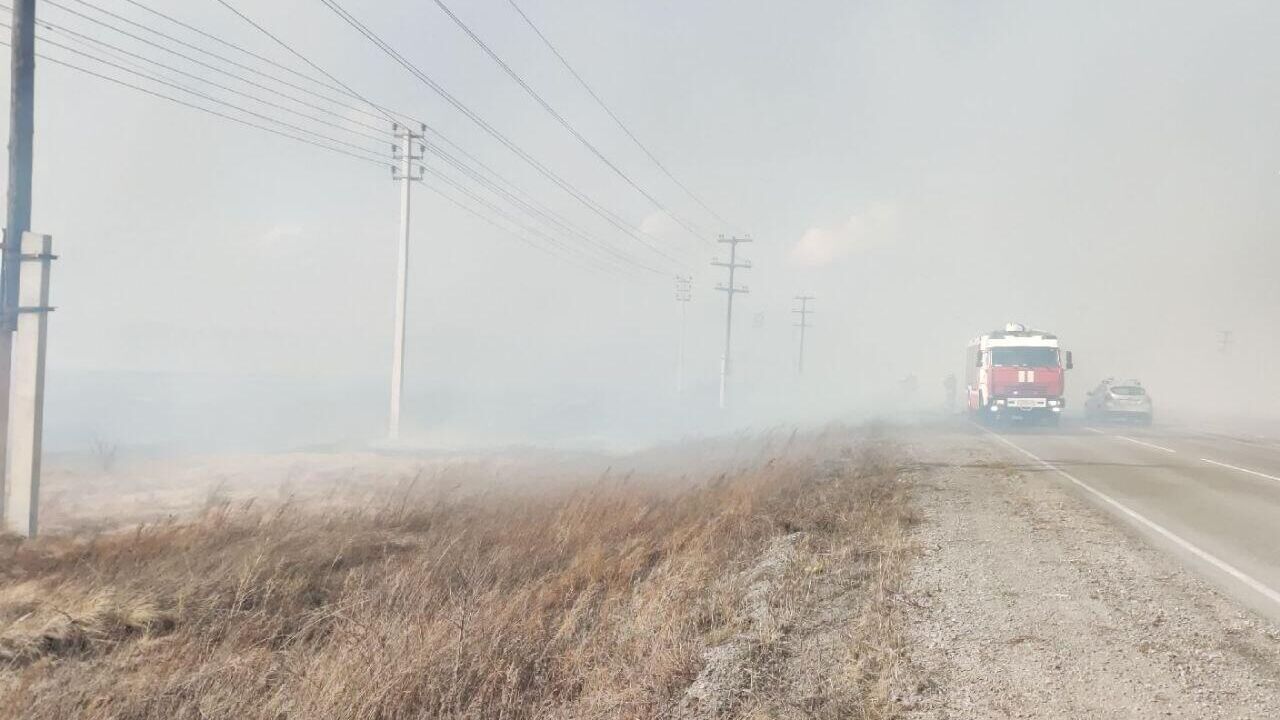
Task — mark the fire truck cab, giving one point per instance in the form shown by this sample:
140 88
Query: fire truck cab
1017 374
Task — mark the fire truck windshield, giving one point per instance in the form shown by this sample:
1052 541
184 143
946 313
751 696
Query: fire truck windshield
1024 357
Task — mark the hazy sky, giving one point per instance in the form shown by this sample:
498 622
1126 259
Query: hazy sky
929 170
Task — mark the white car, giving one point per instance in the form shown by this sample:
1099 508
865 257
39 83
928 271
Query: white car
1125 401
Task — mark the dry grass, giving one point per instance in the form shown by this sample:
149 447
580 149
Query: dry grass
602 599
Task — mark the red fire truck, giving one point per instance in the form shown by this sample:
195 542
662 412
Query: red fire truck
1017 374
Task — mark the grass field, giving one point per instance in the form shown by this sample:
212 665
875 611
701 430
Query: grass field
693 588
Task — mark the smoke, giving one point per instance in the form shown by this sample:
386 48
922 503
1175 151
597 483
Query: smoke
283 240
875 227
660 224
928 171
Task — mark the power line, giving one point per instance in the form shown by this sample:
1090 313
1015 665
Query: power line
82 37
614 116
511 219
493 132
227 43
183 43
346 88
220 86
264 128
201 108
383 111
255 71
515 195
219 101
527 206
534 208
463 206
563 121
316 144
63 30
381 44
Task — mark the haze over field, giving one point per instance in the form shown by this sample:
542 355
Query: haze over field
1107 171
228 516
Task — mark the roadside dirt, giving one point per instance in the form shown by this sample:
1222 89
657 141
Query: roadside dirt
819 629
1025 601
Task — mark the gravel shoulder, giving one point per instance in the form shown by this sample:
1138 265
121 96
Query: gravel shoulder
1028 601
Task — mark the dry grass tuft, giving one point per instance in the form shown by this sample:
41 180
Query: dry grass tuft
603 599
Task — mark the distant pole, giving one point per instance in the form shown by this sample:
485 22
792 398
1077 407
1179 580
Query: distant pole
407 174
1224 340
22 91
684 293
803 311
729 290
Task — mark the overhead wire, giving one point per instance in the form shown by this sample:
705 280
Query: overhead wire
481 216
226 88
201 108
134 36
617 120
297 138
417 72
227 43
210 98
510 218
392 116
359 150
564 122
64 30
347 88
533 209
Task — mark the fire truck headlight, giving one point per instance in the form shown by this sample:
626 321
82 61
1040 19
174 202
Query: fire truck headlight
1055 403
995 408
1056 408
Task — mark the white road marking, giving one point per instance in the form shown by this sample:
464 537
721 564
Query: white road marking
1240 469
1213 560
1224 435
1132 440
1147 444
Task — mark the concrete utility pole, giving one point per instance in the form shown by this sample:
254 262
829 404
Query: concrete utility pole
804 312
684 293
26 407
730 290
22 90
410 171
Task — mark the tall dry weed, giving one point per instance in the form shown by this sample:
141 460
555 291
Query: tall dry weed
595 600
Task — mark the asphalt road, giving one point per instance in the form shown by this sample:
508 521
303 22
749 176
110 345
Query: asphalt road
1211 499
